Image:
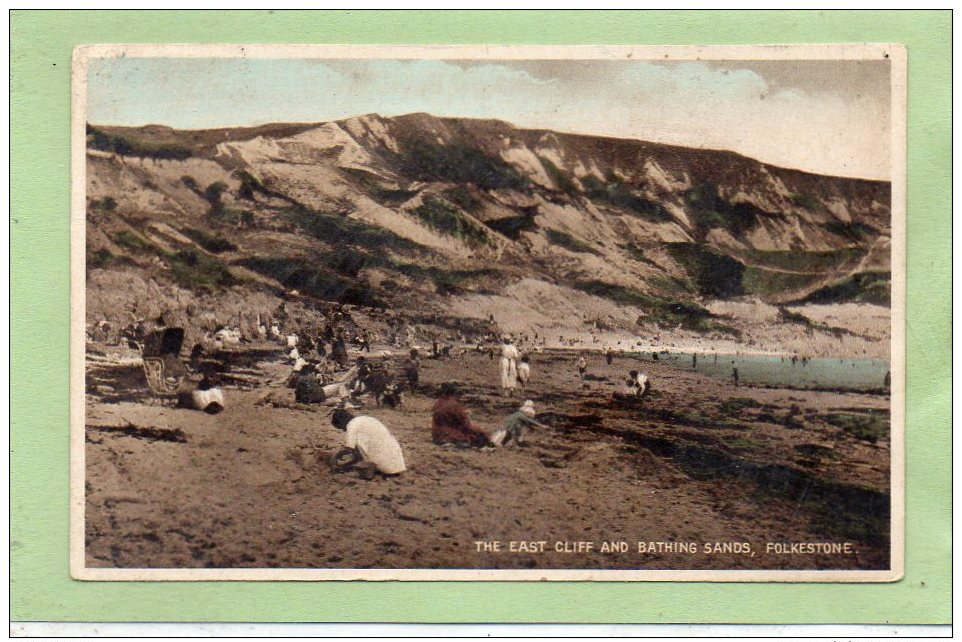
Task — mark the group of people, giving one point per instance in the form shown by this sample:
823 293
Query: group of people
370 448
450 424
324 382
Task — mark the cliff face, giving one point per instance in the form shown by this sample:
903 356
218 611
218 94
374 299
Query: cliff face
375 210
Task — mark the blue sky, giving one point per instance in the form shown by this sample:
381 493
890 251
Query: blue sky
828 117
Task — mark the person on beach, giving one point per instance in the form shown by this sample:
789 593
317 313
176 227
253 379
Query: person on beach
524 371
327 334
368 446
608 356
637 384
299 363
694 361
341 389
450 423
412 369
644 384
509 366
582 367
363 372
320 347
308 387
735 374
515 424
206 397
339 349
887 381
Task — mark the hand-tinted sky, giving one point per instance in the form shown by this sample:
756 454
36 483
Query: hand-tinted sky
827 117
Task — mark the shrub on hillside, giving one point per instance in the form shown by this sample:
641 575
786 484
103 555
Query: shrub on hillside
714 274
460 162
446 219
129 146
569 242
688 314
105 204
209 242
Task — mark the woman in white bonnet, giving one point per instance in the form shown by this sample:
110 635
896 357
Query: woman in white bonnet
509 365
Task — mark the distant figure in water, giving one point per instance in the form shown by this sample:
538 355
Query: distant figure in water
735 374
582 367
654 355
509 365
608 356
716 357
450 423
694 361
524 371
887 382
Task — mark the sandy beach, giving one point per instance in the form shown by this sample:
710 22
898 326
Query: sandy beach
697 462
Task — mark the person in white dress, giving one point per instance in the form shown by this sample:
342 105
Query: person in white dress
509 365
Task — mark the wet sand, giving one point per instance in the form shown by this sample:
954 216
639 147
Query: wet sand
698 462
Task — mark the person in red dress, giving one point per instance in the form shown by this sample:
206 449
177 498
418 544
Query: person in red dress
450 423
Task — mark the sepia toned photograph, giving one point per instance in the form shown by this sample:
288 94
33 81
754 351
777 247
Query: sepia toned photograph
488 313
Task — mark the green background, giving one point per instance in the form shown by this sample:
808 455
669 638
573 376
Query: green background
41 46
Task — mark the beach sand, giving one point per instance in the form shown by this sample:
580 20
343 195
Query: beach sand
699 461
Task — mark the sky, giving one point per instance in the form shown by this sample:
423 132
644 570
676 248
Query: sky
829 117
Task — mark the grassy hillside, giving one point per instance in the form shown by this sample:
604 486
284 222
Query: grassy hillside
383 212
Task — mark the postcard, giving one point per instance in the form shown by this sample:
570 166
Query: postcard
517 313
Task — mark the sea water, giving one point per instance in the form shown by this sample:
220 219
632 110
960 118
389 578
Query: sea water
858 374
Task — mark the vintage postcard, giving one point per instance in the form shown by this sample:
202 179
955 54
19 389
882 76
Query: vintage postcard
488 313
